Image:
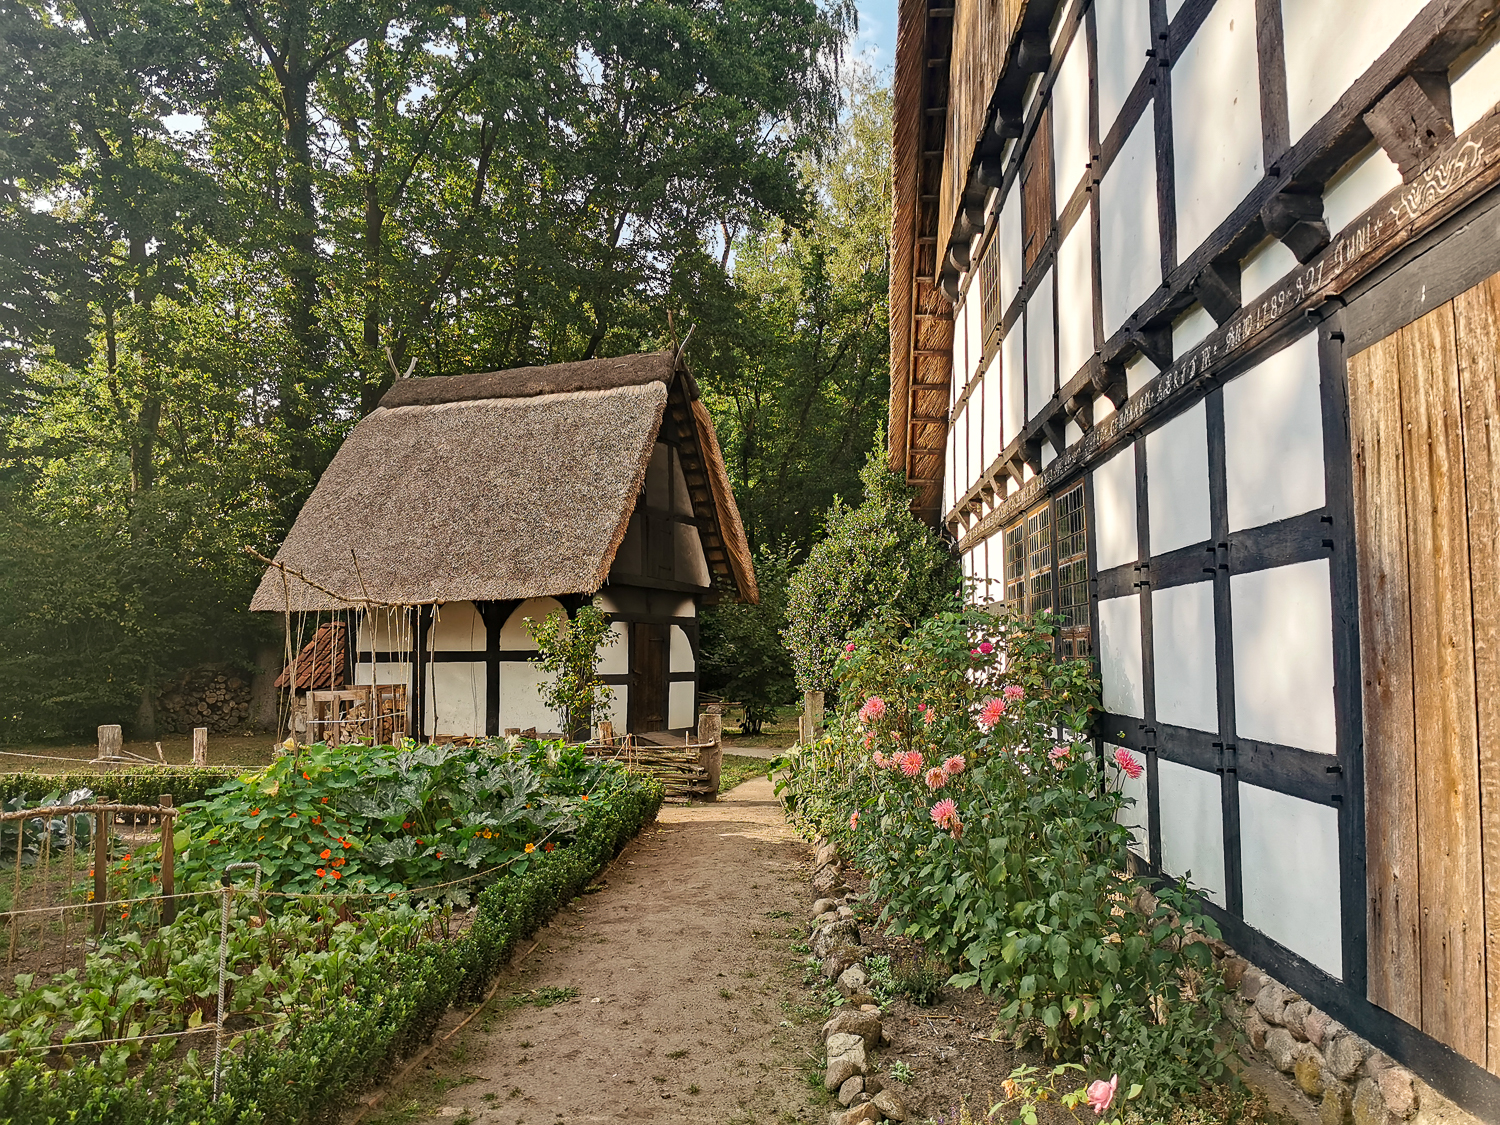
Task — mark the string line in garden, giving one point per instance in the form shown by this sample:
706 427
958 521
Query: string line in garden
48 1047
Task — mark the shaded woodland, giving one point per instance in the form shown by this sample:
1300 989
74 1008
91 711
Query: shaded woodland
226 228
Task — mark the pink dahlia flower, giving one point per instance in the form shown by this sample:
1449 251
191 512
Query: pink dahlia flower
1014 692
930 717
1101 1094
991 714
937 777
873 710
854 820
945 815
1126 761
1059 754
954 765
880 760
910 763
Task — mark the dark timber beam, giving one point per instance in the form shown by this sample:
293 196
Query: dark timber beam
1413 121
1296 219
1218 289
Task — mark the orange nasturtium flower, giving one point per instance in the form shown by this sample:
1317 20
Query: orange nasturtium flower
320 873
254 812
548 846
585 796
336 875
325 853
530 848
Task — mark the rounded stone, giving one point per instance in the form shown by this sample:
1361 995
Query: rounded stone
1308 1070
851 1088
1345 1055
1281 1049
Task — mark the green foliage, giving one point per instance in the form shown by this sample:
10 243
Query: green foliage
571 651
134 785
988 831
874 560
336 1040
744 658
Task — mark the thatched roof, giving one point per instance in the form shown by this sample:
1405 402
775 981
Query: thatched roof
497 486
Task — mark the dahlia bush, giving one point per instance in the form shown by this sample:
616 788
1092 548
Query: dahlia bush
958 774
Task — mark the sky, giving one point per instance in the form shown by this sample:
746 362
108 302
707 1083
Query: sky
876 41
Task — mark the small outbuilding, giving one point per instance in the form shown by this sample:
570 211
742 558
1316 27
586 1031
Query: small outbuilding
464 505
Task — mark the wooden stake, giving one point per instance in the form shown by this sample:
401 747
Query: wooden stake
101 867
15 893
200 746
168 860
111 742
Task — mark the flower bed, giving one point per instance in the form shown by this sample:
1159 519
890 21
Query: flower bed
954 775
336 986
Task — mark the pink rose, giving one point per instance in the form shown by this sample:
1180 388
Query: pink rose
1102 1093
986 648
849 647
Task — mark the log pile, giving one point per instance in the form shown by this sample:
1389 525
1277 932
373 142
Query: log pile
216 698
678 768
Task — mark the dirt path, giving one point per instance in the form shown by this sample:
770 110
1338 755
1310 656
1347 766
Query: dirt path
689 1004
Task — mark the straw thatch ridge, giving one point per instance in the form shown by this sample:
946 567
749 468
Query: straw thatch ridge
487 499
731 530
529 382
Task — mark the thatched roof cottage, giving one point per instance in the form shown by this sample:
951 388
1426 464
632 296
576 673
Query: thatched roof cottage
465 504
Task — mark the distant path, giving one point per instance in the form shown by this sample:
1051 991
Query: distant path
707 901
766 752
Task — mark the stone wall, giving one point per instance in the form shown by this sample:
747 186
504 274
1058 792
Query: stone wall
217 698
1339 1078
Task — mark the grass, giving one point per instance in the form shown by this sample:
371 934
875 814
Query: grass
739 768
777 733
223 750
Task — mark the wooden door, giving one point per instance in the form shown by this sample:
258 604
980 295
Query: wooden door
647 709
1424 407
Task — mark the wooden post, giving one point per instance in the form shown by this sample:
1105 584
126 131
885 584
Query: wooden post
812 708
168 862
200 746
607 732
101 866
711 753
111 743
803 738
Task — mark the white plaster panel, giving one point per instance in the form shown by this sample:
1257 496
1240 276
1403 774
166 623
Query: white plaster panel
520 698
1013 381
1192 826
1103 408
1115 539
1289 862
383 630
691 562
974 348
976 434
1009 234
1129 236
1263 267
1136 817
1182 638
960 345
1177 481
1173 6
1358 186
682 499
1120 655
514 635
398 672
1138 372
680 651
455 698
1474 84
1075 299
1191 329
1283 655
992 429
680 711
614 659
1070 117
1041 370
659 476
1072 432
456 626
1216 134
616 711
1123 31
1273 437
1329 44
1049 453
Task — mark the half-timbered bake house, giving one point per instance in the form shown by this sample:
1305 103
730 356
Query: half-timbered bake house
466 504
1195 326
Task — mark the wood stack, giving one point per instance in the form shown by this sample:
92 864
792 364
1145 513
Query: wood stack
678 768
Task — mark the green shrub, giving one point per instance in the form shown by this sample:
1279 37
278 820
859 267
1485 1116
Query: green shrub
135 785
992 835
744 658
876 559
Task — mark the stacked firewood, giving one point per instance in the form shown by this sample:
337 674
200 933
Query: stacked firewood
216 698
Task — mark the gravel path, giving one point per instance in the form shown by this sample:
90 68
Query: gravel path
689 1003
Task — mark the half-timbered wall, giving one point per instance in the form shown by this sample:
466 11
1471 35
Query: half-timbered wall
1209 201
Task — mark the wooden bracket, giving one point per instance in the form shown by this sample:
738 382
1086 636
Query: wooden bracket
958 258
989 171
1155 344
1016 467
1296 219
1080 408
1056 428
948 283
1218 289
1008 123
1109 380
1031 451
1414 120
1033 52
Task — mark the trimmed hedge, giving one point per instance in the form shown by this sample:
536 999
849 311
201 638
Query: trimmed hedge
322 1062
135 785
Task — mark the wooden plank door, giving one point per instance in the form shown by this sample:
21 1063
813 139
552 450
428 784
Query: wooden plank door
647 709
1427 528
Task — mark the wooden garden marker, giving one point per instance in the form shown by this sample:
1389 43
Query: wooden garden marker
101 865
607 733
812 707
168 858
711 750
200 746
111 742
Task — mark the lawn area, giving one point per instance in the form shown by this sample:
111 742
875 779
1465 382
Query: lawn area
777 733
223 750
739 768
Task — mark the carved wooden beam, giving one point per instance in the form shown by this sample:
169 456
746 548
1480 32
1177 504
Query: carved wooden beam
1155 344
1218 290
1296 219
1413 121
